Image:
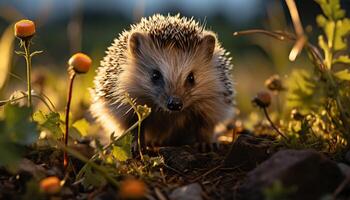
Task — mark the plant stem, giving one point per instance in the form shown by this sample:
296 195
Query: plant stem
139 134
69 98
339 99
79 156
25 95
29 69
272 124
295 17
139 121
139 140
315 53
278 103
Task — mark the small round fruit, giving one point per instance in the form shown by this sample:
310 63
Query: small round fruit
132 189
80 62
50 185
24 29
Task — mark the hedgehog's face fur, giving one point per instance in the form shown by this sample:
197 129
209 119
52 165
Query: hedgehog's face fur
175 66
171 79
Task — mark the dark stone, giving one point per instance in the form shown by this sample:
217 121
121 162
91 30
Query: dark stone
187 192
247 152
106 194
309 172
344 168
347 157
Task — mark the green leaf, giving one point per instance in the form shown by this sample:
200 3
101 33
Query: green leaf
50 122
342 59
331 9
120 154
336 27
305 91
329 31
343 75
122 148
342 30
17 130
82 126
92 178
321 20
10 153
326 51
18 125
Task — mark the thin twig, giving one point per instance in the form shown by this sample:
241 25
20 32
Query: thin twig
207 173
25 95
47 98
175 170
275 34
315 53
295 17
272 124
79 156
28 59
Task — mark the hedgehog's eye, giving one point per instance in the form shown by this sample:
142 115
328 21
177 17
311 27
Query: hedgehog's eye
156 76
190 78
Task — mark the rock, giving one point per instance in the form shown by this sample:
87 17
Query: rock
106 193
347 157
344 168
187 192
306 174
247 152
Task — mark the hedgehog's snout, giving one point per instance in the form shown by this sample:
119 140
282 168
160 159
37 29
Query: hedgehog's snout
174 103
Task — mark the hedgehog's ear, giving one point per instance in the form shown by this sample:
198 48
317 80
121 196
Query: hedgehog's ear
137 41
207 45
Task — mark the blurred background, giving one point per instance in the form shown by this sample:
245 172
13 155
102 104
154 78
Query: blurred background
68 26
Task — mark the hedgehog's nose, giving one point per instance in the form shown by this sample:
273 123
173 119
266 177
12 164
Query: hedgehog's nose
174 104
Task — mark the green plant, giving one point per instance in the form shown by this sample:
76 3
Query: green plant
17 131
79 63
22 128
321 95
25 30
115 157
263 100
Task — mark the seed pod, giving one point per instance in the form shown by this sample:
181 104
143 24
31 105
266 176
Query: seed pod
24 29
80 63
274 83
262 99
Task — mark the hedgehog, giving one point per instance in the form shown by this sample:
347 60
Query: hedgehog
176 67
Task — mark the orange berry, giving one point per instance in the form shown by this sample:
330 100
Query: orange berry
50 185
24 29
262 99
80 62
132 189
